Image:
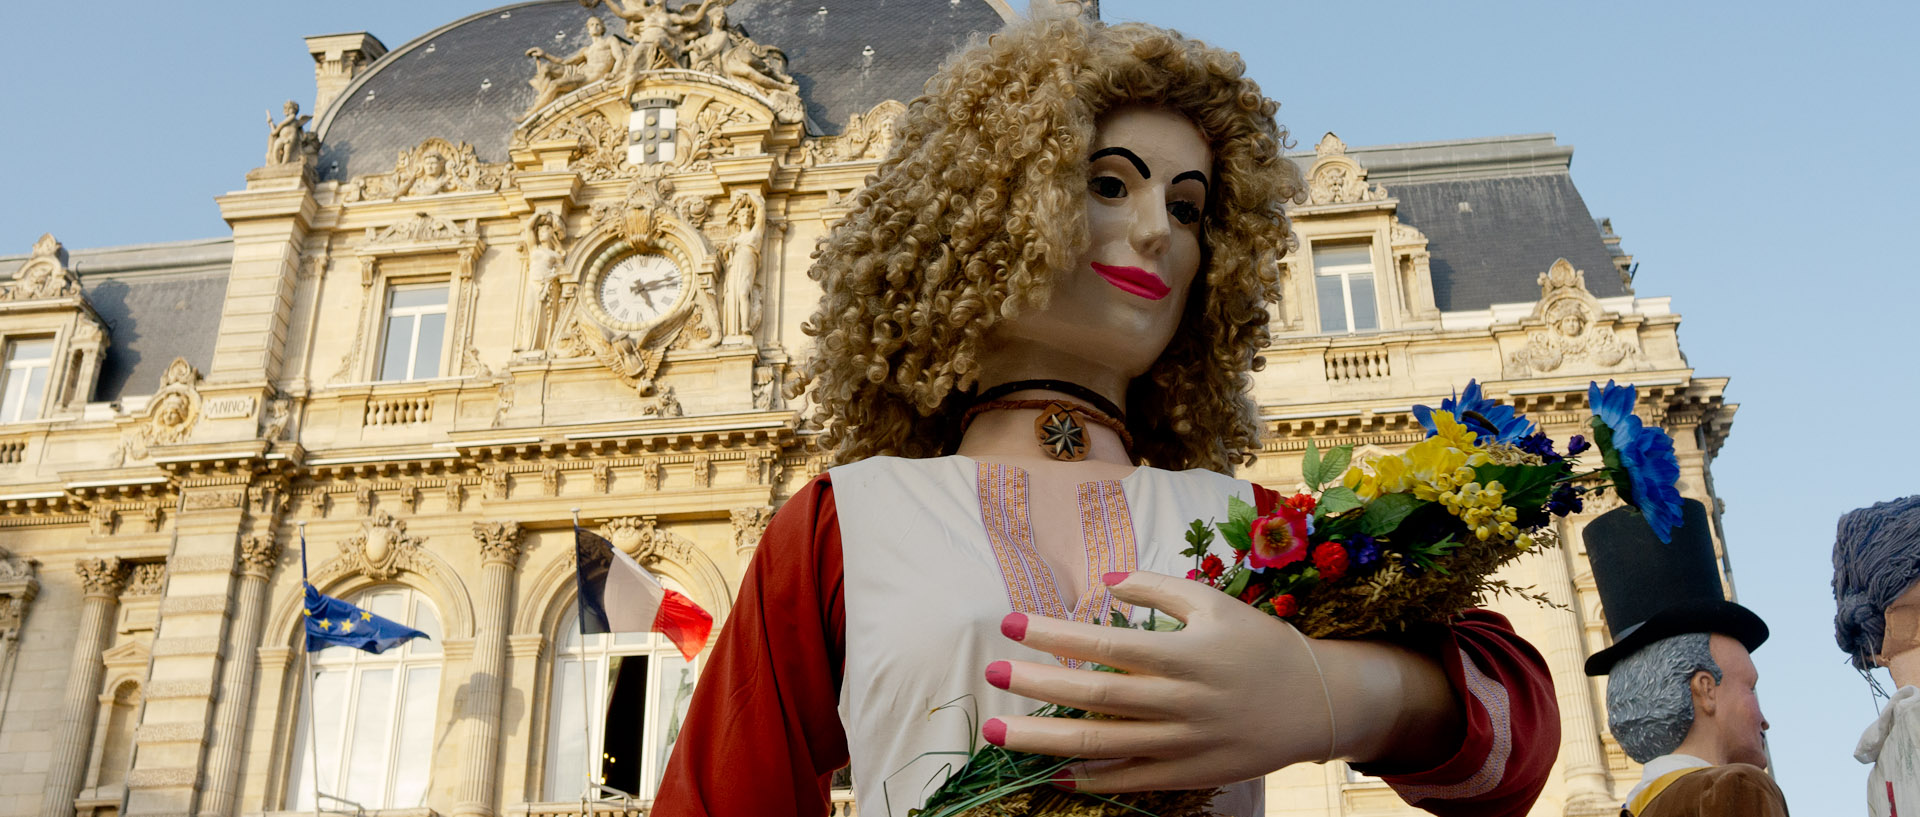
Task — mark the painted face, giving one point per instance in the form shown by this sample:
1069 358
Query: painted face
1119 304
1900 641
1742 727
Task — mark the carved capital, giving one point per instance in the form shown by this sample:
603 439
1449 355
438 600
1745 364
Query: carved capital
145 579
257 554
749 524
102 577
499 541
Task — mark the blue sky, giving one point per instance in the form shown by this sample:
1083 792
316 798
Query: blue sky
1752 156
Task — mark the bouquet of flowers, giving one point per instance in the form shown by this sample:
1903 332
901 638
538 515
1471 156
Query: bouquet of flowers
1370 548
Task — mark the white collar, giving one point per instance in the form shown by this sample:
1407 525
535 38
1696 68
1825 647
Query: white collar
1903 700
1661 766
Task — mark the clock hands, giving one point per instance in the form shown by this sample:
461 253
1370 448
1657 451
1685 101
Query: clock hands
644 288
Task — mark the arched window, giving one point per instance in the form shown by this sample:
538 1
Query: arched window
637 684
376 714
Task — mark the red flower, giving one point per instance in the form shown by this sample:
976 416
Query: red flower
1285 605
1197 576
1280 539
1332 561
1251 594
1212 566
1303 503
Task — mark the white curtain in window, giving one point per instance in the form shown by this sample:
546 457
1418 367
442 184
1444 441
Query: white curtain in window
375 714
1343 288
617 704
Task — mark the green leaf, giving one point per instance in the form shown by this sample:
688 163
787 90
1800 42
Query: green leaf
1238 529
1238 584
1387 512
1336 500
1198 537
1335 465
1310 467
1116 619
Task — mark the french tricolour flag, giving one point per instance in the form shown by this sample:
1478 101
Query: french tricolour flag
617 595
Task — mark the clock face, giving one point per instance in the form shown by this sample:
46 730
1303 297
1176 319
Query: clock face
639 289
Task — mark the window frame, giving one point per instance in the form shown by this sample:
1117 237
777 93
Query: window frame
9 347
596 652
1345 274
387 312
402 661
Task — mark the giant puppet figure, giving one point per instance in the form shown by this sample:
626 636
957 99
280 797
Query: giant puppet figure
1680 686
1876 585
1031 364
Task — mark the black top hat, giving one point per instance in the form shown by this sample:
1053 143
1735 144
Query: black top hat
1652 590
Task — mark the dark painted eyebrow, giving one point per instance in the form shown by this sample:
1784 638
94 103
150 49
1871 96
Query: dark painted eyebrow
1191 174
1124 154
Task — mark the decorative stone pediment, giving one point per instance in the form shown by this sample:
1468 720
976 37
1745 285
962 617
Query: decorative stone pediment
433 167
682 123
422 234
45 275
642 538
1573 328
867 137
382 548
1336 178
170 414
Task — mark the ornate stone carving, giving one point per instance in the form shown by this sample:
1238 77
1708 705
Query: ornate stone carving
642 538
766 388
101 520
1573 326
550 480
456 495
214 500
422 228
602 474
759 467
171 413
600 147
724 50
555 76
702 471
434 166
1337 179
650 473
382 548
279 414
145 579
101 576
498 481
45 275
258 552
363 497
749 524
740 257
867 137
499 541
625 532
544 240
318 502
410 496
287 140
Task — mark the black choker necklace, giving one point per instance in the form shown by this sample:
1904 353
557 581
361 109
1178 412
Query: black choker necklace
1058 429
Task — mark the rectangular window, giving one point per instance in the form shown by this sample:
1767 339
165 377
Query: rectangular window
617 706
23 383
1343 286
415 332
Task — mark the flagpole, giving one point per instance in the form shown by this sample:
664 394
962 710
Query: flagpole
306 676
586 686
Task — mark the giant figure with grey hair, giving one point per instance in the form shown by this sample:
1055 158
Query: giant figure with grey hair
1876 586
1681 688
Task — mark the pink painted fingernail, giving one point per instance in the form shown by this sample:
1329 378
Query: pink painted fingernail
1014 626
999 673
1063 779
1114 578
995 731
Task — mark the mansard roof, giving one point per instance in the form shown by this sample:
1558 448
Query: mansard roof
159 301
467 81
1496 211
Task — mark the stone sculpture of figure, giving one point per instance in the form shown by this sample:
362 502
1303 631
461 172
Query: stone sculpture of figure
286 141
43 276
740 294
1074 215
658 34
724 51
554 76
545 232
432 178
1680 692
1876 586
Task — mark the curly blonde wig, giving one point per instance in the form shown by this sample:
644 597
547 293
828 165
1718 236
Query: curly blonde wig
982 200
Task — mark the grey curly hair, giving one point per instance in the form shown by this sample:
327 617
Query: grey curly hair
1876 557
1649 700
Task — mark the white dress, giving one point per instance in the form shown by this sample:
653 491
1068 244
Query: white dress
937 552
1892 745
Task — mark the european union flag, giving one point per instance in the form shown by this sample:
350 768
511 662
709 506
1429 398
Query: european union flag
335 623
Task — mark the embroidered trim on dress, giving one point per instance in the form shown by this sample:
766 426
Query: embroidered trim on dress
1492 697
1106 530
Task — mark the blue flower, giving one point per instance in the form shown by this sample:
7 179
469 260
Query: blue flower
1362 550
1640 458
1577 444
1492 420
1565 500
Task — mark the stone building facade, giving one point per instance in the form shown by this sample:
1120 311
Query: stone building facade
486 289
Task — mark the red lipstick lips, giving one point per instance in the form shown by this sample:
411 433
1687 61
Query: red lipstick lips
1134 280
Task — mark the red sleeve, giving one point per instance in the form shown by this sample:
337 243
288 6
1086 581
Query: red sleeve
1511 715
763 733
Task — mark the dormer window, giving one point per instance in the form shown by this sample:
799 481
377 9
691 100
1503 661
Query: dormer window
23 383
415 332
1343 286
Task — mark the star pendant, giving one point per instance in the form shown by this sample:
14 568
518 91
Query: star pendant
1061 434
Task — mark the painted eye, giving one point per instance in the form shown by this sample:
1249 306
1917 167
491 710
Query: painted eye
1185 212
1108 187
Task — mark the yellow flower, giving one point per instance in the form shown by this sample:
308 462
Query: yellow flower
1451 431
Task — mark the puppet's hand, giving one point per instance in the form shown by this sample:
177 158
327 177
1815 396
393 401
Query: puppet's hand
1234 695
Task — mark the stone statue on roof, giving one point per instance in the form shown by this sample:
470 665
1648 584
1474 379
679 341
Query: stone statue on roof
43 276
659 34
553 76
726 51
287 142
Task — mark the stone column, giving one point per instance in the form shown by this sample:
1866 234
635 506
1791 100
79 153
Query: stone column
258 552
103 579
1586 768
480 758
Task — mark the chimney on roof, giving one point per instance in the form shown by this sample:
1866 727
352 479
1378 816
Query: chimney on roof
337 59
